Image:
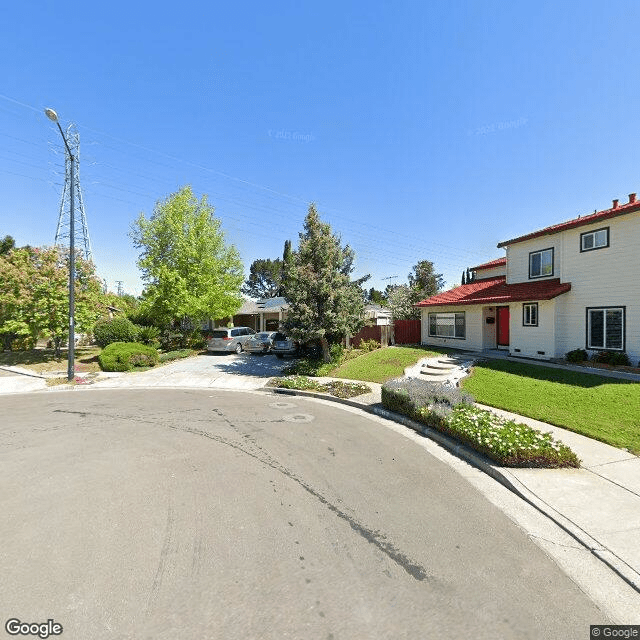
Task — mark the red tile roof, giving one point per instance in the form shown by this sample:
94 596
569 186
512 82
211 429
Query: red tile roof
600 216
489 265
497 291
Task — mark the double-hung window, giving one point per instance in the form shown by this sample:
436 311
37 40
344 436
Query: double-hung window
530 314
541 263
591 240
605 328
447 325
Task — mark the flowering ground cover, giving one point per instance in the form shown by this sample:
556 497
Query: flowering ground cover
335 387
507 442
451 411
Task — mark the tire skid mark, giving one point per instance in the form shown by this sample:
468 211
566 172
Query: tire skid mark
164 560
375 538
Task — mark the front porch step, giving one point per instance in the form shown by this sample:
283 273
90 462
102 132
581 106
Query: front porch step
435 373
439 365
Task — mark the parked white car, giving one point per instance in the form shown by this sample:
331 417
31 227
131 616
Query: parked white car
233 339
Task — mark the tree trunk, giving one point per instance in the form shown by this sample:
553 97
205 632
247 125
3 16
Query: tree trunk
326 355
57 341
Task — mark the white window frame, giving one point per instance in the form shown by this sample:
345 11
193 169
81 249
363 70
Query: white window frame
542 253
530 314
600 239
448 319
606 346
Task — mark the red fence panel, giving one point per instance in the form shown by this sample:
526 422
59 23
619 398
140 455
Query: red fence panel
407 331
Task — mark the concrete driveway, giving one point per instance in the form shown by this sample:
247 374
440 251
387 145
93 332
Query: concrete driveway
220 370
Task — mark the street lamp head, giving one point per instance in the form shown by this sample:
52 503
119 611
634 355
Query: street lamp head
51 114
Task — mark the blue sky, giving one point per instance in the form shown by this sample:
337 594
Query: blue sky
422 130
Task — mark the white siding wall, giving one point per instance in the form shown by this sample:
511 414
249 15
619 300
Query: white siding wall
494 272
603 277
518 258
531 340
473 328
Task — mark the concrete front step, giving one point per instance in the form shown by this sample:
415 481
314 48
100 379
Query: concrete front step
439 366
436 373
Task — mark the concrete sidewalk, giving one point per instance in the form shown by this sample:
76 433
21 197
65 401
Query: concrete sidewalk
598 504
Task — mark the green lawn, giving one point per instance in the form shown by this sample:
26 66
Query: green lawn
602 408
382 364
44 360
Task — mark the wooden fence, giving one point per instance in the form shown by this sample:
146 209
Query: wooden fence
407 331
401 332
381 333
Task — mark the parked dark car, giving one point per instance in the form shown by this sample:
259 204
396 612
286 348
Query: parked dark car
284 345
260 342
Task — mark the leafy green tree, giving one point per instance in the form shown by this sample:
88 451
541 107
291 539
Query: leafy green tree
6 244
324 304
16 275
400 301
35 298
424 280
50 303
188 269
265 279
376 297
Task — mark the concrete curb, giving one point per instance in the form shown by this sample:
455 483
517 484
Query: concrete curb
501 474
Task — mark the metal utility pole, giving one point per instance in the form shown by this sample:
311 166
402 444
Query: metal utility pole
53 116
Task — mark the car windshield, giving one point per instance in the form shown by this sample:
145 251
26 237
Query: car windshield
219 334
264 334
279 336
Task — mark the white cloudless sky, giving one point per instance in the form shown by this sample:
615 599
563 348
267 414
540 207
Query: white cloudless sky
422 130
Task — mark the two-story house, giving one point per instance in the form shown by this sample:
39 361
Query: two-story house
574 285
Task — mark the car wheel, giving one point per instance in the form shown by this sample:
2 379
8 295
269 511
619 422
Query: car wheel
238 348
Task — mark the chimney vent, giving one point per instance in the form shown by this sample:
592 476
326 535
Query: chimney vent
632 198
615 204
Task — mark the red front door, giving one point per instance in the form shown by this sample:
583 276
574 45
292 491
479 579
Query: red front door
503 326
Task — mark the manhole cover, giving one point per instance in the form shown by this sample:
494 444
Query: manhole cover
298 417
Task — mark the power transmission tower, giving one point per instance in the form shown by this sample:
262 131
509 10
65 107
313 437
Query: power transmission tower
80 219
120 287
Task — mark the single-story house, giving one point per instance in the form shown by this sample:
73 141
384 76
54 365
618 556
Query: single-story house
377 315
262 315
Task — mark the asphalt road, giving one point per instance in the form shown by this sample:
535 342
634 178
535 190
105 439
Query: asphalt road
214 514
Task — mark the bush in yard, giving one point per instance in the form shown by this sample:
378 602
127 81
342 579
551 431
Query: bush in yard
613 358
368 345
124 356
577 355
149 335
109 330
619 359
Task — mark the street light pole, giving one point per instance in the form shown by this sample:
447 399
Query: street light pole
53 116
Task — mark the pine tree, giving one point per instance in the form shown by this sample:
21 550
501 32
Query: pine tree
324 304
